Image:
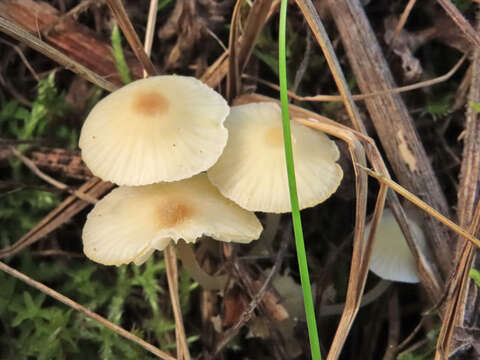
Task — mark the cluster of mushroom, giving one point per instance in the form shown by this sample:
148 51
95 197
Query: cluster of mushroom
157 137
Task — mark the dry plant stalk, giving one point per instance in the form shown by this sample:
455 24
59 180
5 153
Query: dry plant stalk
118 10
457 291
172 277
462 293
240 47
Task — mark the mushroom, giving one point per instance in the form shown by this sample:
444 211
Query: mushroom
252 169
131 222
163 128
391 257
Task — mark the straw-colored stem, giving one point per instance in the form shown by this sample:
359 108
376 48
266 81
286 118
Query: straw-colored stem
422 205
172 278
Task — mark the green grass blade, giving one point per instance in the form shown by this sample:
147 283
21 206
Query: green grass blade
297 222
120 62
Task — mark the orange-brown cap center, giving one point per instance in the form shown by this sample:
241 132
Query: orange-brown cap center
274 136
150 103
173 213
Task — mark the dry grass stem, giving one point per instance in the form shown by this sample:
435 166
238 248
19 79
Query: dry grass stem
23 36
172 277
118 10
422 205
65 300
460 20
357 97
240 47
31 165
150 32
402 21
460 305
58 216
457 290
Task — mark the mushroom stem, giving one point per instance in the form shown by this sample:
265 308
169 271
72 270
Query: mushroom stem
189 262
272 222
369 297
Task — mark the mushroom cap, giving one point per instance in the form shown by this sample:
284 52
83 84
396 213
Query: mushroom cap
130 223
252 169
163 128
391 257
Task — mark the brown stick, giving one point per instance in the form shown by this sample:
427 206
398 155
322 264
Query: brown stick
392 120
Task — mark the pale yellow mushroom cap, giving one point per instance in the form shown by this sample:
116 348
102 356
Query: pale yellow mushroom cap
164 128
391 257
131 222
252 169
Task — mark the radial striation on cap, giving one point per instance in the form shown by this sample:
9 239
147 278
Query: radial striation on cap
131 222
252 169
391 257
163 128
